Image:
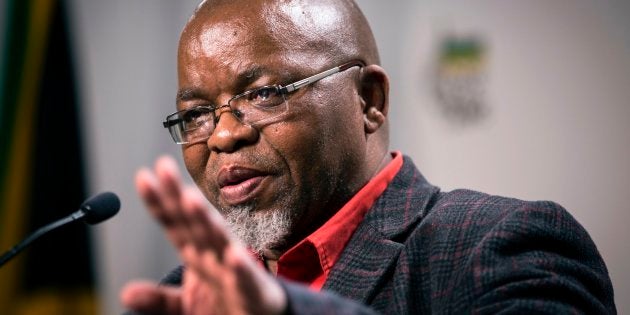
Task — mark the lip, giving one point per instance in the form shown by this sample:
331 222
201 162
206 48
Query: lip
239 184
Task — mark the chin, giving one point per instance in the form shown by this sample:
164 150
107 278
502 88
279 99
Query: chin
260 230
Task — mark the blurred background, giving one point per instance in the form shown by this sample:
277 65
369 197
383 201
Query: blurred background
529 99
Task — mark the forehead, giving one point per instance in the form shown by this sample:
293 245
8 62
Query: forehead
209 38
262 28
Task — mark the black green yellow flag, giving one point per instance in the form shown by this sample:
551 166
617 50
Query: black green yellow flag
41 169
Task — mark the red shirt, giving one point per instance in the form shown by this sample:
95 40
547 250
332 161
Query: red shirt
311 260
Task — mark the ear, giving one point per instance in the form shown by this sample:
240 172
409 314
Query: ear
374 95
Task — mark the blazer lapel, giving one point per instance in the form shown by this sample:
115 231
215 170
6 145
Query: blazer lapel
373 251
361 265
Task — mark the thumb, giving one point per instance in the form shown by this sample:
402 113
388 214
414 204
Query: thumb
148 298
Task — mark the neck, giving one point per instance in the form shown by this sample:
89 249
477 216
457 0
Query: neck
387 157
270 256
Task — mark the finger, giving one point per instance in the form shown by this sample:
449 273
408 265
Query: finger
148 298
147 187
149 190
261 292
170 183
208 231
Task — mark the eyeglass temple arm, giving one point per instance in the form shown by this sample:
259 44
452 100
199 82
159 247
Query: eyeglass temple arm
170 123
312 79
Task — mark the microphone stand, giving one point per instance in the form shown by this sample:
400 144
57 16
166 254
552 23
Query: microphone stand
37 234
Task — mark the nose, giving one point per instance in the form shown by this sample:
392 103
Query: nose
230 133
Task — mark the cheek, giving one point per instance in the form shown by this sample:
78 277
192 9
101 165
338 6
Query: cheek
195 159
306 143
296 142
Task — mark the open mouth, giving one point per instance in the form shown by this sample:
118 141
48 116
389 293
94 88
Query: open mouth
238 185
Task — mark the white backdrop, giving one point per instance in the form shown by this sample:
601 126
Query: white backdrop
558 76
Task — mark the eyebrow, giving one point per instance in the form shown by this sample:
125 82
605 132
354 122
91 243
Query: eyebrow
248 76
188 94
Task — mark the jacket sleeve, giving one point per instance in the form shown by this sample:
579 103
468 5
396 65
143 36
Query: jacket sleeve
536 259
303 301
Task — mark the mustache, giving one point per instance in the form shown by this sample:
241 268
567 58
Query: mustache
251 159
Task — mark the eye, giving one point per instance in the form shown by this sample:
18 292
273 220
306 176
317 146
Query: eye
263 94
195 117
260 99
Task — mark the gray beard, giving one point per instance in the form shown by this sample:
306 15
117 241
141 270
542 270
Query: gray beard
259 230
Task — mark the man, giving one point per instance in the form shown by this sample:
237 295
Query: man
282 117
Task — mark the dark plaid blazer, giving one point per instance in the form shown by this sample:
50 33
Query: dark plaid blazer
422 251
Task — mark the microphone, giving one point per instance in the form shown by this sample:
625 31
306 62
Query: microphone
94 210
99 208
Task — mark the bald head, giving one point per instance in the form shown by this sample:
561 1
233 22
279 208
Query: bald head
334 29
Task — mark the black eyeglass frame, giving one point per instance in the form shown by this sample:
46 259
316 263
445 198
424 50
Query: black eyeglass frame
282 90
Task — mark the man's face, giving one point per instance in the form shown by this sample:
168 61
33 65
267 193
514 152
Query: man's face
277 181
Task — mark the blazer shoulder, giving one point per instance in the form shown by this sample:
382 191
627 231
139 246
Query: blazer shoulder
473 218
474 209
496 252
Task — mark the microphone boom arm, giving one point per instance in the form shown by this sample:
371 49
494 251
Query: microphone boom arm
93 211
37 234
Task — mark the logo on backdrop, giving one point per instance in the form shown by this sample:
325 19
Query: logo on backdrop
460 79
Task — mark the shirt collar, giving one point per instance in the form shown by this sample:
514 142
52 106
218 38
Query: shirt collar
312 259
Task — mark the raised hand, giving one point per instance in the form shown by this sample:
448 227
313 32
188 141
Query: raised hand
220 276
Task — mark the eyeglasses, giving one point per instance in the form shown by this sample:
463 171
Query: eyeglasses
252 106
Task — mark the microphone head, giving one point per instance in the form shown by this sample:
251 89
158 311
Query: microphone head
100 207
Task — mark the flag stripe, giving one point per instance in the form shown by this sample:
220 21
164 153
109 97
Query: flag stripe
27 73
